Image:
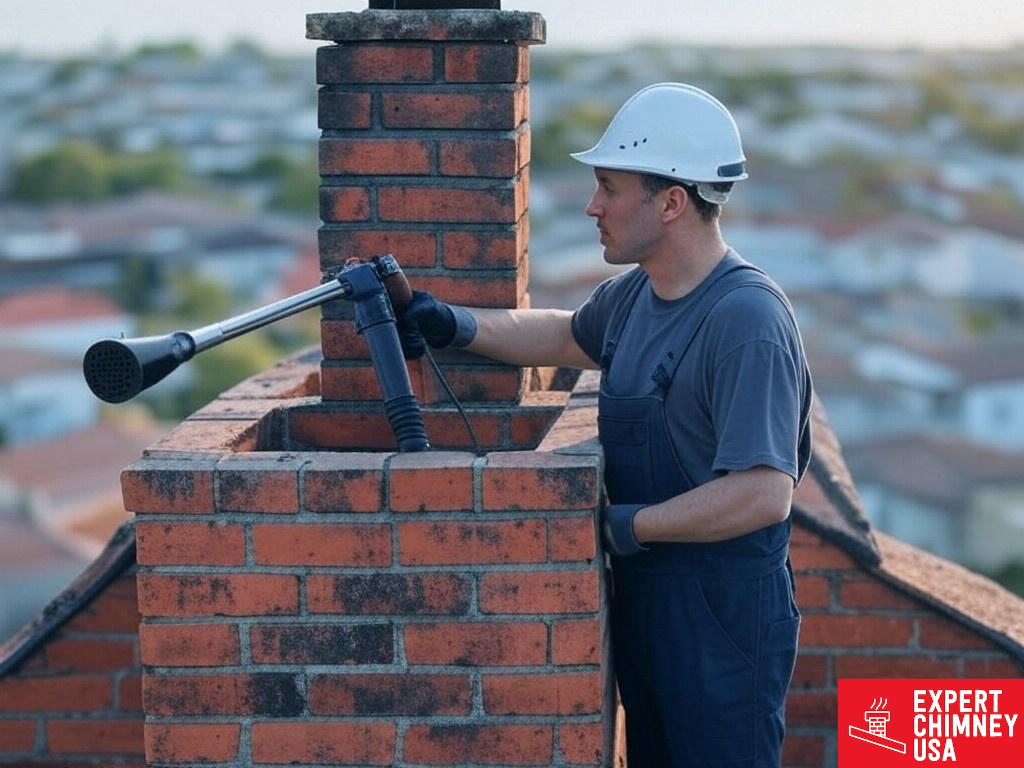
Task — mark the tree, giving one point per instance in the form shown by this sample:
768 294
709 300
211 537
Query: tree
73 171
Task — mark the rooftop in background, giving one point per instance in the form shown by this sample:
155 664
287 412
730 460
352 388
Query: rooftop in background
54 305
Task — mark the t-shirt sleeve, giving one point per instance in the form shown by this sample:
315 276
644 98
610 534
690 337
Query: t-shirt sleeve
590 320
756 408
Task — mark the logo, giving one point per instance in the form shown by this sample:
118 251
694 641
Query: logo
898 722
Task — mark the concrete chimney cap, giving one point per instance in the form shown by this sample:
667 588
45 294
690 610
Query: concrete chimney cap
514 26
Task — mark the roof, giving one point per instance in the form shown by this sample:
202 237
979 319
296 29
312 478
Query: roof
937 469
16 363
978 362
54 305
77 465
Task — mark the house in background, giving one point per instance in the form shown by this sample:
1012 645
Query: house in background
41 396
951 497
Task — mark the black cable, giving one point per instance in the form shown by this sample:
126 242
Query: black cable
462 411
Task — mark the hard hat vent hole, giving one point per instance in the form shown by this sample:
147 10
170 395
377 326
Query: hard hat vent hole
645 141
622 146
673 170
635 143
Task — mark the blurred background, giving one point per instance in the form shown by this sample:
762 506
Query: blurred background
161 173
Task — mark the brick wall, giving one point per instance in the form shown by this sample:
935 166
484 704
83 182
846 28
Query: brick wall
425 154
857 625
76 698
370 609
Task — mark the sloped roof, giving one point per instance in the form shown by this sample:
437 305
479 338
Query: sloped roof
940 470
54 305
16 363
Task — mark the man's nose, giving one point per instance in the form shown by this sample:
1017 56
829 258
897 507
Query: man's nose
593 207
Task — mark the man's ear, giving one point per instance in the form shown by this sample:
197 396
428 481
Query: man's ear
675 203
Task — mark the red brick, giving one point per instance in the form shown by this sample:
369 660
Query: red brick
401 694
813 591
572 538
539 592
576 642
875 665
486 63
78 655
494 110
267 694
189 645
431 481
374 156
444 542
526 480
218 436
344 743
339 431
824 557
95 737
129 694
472 291
369 63
259 483
344 203
811 671
544 694
527 428
803 751
582 743
323 644
874 594
388 594
168 487
805 708
67 693
489 644
411 249
339 341
800 536
489 744
940 632
352 544
110 611
17 735
484 250
212 543
495 158
855 631
478 385
449 204
991 668
192 742
343 482
226 594
343 110
445 429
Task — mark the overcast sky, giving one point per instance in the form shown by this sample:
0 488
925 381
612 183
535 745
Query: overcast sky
61 26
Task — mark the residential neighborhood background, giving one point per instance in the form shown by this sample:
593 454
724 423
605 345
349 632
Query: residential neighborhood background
169 186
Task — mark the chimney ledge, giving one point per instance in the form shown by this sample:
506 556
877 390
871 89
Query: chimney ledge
475 25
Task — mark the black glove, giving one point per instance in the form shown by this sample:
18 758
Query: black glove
619 538
440 324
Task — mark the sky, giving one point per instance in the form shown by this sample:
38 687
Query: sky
56 27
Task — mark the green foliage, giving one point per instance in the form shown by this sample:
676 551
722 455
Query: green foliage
177 49
298 190
1012 577
572 130
198 300
85 173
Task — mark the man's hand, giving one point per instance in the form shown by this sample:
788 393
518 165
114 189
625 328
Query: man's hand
438 323
617 527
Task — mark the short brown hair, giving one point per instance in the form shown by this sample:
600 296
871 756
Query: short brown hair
708 211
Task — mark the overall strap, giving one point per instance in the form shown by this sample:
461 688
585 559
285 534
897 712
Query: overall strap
740 276
619 314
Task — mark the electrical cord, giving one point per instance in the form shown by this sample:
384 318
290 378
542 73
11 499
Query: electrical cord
451 394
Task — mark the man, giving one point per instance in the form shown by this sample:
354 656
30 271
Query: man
703 417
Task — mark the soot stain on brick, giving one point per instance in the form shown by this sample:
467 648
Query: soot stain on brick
273 695
365 644
169 485
234 484
569 485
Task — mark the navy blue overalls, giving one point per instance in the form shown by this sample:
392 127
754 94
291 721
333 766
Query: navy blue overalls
704 635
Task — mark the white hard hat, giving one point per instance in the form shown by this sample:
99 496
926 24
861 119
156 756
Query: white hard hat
677 131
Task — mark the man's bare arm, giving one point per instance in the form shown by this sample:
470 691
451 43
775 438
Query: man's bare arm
727 507
528 337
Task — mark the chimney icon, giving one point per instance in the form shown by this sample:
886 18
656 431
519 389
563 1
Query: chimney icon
876 718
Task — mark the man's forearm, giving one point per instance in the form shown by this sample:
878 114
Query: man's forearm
527 337
727 507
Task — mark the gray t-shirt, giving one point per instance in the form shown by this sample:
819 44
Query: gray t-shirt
741 396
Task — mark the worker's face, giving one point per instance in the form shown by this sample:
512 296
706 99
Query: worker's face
627 220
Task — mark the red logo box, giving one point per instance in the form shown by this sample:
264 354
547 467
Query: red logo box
898 722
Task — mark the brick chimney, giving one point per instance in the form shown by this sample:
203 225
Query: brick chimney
307 594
